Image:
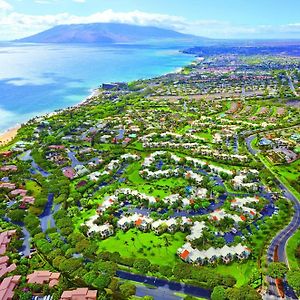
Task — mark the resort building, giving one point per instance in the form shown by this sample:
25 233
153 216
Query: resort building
42 277
7 287
188 254
79 294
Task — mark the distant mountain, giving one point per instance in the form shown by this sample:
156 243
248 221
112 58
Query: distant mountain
105 33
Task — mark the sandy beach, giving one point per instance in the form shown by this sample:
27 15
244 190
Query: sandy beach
8 135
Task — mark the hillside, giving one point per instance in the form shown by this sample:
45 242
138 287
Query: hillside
104 33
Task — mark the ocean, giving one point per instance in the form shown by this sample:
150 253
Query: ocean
40 78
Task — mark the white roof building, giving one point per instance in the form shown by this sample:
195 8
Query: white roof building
196 231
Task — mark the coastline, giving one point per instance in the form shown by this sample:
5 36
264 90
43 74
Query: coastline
8 135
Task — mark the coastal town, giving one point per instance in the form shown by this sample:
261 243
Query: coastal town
189 180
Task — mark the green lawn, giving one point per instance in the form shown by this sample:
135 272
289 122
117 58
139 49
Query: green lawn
240 271
290 173
157 188
78 221
292 244
286 173
205 135
135 243
132 173
33 187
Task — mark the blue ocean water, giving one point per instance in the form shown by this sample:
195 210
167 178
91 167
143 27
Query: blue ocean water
35 79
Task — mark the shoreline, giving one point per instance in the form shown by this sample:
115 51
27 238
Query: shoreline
8 135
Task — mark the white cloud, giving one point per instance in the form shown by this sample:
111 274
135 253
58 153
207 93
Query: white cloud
79 1
4 6
15 25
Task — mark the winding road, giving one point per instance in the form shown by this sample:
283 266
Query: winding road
280 240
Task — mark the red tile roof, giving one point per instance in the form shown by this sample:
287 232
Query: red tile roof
243 218
5 238
138 222
184 254
4 267
42 277
7 287
79 294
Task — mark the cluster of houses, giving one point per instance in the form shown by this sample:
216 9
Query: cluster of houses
244 181
153 157
9 284
145 223
5 266
17 194
220 214
280 149
191 255
242 205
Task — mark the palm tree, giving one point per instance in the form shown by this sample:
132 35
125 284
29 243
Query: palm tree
133 240
167 242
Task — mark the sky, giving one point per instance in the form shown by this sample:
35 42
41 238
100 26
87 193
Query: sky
255 19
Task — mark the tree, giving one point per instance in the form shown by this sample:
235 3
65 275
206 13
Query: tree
142 265
82 245
166 271
243 293
24 296
70 265
101 282
277 269
127 290
293 278
16 215
218 293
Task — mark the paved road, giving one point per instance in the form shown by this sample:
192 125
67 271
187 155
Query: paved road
291 85
282 237
248 141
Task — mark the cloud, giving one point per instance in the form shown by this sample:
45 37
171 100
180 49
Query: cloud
79 1
4 6
16 25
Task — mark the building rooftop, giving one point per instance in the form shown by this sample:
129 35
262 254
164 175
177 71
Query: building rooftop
79 294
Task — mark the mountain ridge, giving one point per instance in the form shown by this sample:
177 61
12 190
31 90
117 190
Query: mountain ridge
107 33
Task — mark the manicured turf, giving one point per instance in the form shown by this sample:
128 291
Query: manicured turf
135 243
78 221
133 175
33 187
285 173
157 188
205 135
240 271
292 244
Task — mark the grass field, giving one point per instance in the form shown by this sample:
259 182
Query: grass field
291 173
292 244
285 173
33 187
205 135
157 188
134 243
240 271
